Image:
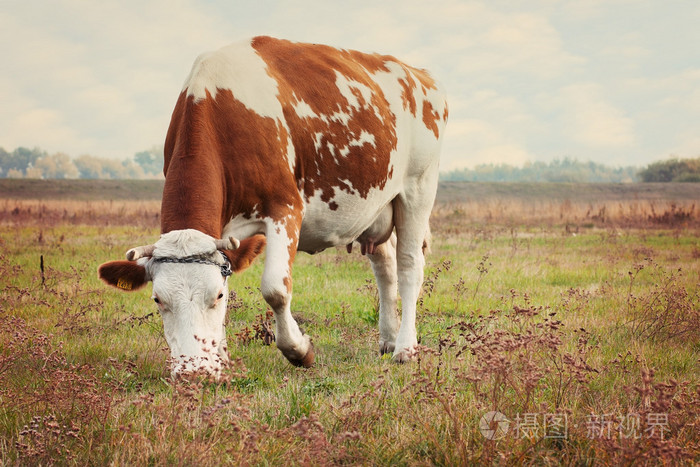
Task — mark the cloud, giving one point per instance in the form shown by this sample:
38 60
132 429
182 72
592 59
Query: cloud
591 120
484 44
471 142
45 124
108 74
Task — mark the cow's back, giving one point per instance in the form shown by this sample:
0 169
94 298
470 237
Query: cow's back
337 133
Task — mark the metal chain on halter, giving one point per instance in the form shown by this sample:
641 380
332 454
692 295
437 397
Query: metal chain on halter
225 268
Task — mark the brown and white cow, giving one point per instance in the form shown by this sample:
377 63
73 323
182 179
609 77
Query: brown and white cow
300 147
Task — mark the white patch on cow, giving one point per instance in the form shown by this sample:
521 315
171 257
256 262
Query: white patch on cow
365 138
346 86
303 110
318 140
353 191
324 227
291 152
332 150
340 117
388 82
240 69
242 227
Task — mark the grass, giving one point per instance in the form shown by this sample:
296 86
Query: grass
83 190
581 330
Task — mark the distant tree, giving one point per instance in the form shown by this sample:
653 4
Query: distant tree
89 166
132 170
150 160
672 170
4 159
18 160
112 169
688 178
558 170
14 173
57 165
35 163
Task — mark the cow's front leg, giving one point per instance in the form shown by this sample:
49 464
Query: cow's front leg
277 291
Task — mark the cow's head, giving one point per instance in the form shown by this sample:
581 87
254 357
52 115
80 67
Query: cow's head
189 271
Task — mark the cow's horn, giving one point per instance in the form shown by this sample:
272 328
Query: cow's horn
140 252
230 244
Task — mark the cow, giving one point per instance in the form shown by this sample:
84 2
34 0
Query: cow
281 147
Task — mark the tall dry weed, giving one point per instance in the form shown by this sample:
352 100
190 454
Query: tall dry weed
666 309
458 217
48 213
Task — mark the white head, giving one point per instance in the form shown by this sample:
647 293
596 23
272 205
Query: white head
189 271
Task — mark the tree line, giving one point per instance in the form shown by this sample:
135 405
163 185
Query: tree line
572 170
672 170
36 163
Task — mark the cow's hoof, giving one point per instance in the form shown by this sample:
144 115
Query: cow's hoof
405 355
386 347
307 361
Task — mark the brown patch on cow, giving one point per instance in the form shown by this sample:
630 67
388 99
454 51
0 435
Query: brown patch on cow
430 115
333 206
430 118
292 226
332 163
124 275
426 81
277 299
245 254
223 159
371 62
408 85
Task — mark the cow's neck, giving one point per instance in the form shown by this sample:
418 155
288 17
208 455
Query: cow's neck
193 197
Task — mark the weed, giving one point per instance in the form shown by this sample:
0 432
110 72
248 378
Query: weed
370 316
483 269
263 328
665 310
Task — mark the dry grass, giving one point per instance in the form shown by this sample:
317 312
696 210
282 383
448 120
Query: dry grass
573 215
49 213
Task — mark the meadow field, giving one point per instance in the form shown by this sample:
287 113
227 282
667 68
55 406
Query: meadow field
559 324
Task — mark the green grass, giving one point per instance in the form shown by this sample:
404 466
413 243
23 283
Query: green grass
517 318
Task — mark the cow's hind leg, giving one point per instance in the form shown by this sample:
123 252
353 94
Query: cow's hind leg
277 290
411 216
383 262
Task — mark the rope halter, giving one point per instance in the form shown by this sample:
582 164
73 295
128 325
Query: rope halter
225 267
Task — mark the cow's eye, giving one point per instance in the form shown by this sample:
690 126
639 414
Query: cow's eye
157 300
221 295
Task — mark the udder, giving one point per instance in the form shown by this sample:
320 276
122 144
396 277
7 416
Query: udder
377 233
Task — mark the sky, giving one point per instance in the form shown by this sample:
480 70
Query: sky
611 81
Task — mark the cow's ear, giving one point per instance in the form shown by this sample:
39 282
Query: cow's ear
124 275
243 256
